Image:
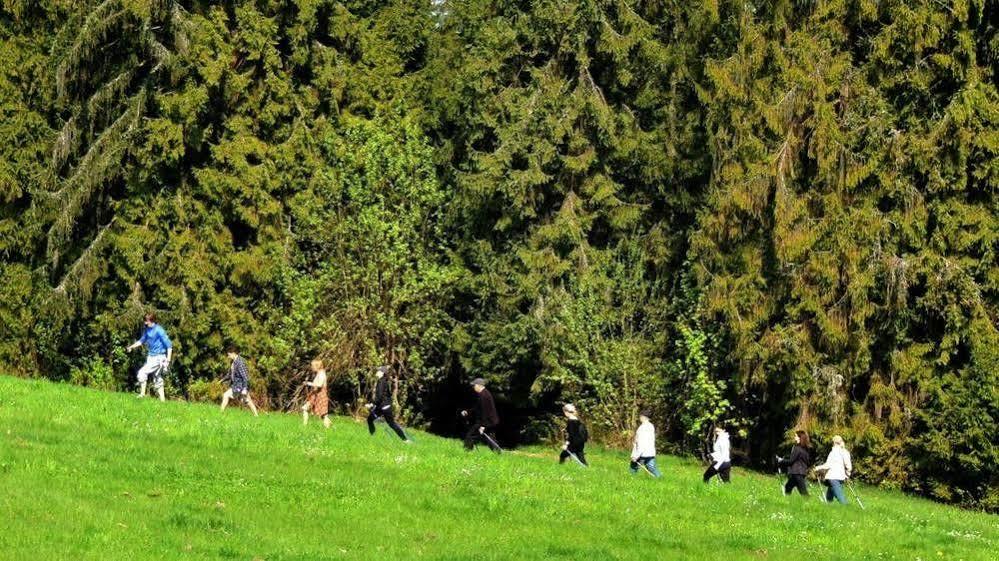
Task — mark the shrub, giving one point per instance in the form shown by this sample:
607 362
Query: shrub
94 373
205 390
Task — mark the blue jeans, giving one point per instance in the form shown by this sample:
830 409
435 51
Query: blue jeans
835 490
649 462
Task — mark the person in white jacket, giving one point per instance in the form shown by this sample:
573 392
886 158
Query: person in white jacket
643 453
838 468
721 459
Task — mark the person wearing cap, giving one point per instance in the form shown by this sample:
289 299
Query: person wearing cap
575 436
486 418
643 452
382 405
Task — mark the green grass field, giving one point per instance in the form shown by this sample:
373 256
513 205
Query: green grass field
90 475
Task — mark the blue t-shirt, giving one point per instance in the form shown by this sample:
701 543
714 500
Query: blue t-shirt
156 341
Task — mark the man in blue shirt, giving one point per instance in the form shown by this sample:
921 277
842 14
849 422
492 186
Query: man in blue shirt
159 351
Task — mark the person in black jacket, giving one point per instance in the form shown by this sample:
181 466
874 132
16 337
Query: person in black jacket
575 436
485 420
382 405
797 464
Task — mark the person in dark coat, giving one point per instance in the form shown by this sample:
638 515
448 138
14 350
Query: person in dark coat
575 436
797 464
485 418
382 405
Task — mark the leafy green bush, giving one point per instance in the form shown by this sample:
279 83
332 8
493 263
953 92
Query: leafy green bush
780 227
205 390
95 373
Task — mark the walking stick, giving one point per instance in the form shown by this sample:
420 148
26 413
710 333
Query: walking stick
575 457
381 419
646 468
855 495
406 436
822 494
716 477
493 442
707 459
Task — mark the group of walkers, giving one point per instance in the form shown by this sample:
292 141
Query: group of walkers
483 419
837 468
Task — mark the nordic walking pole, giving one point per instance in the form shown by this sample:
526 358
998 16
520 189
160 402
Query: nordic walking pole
716 478
822 494
780 481
385 429
380 419
575 457
405 435
855 495
493 442
408 438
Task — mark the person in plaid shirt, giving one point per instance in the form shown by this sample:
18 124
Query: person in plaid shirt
239 381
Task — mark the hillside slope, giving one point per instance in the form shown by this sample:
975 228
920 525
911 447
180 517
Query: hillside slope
90 475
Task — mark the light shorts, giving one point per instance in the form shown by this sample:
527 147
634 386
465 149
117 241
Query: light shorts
242 393
154 366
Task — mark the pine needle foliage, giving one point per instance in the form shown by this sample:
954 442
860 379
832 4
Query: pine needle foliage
768 215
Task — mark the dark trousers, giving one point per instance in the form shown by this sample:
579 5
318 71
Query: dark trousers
473 435
578 451
724 471
389 420
798 481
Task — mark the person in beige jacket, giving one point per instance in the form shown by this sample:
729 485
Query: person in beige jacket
317 402
838 468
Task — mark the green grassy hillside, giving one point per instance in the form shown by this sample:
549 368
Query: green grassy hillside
90 475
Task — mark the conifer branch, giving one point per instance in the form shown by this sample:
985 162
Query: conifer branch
66 143
68 140
96 27
83 262
97 167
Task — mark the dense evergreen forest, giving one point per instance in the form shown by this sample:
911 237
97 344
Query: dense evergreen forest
767 214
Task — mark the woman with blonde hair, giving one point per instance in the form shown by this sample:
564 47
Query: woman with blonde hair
838 468
317 401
